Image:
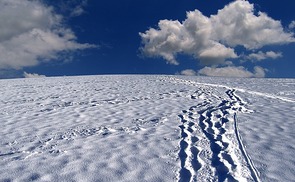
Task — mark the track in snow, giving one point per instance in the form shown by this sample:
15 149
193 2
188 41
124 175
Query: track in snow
211 148
62 124
52 143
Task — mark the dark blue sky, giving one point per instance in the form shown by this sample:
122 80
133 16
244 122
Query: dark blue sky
114 27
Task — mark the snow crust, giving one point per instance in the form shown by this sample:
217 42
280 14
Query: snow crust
147 128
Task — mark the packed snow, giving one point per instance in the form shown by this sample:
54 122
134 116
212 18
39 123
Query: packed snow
147 128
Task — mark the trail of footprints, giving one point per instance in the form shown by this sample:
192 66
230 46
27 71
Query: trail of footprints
210 149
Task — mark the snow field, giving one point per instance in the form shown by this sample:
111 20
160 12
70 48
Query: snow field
147 128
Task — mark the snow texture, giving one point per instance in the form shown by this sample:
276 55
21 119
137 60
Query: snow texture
147 128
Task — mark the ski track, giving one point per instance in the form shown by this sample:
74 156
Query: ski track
254 172
189 82
219 159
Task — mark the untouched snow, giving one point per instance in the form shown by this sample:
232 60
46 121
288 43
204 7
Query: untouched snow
147 128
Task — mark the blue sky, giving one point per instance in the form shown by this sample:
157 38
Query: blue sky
91 37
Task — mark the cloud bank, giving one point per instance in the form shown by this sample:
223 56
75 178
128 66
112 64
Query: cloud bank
231 71
267 55
188 72
212 40
33 75
32 33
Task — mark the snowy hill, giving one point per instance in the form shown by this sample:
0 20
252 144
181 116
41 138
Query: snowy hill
147 128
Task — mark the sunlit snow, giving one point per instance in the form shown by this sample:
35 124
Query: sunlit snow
147 128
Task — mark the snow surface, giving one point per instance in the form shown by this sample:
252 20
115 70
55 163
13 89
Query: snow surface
147 128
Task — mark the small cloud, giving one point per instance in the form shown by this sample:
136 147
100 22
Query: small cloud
259 72
292 25
261 55
77 11
232 71
71 8
33 75
79 8
188 72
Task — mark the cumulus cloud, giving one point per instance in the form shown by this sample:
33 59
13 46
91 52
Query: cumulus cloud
31 33
33 75
213 39
237 24
267 55
190 37
188 72
232 71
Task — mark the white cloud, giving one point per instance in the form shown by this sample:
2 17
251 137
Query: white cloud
259 72
70 8
292 25
261 55
190 37
76 7
33 75
188 72
232 71
31 33
212 39
77 11
237 24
